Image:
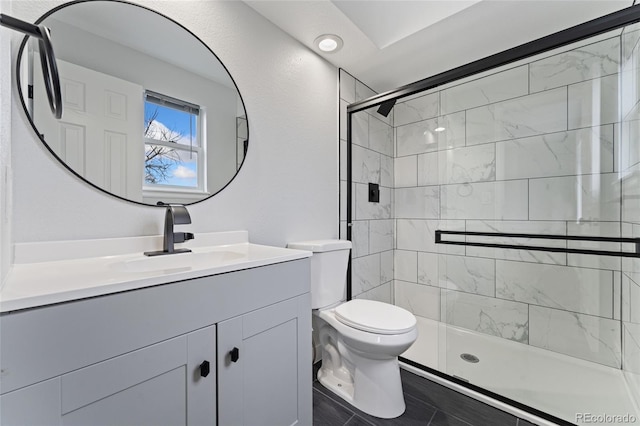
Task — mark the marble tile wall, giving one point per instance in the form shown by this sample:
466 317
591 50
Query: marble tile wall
538 148
629 167
373 226
534 148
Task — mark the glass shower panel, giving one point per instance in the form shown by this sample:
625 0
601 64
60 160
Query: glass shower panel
542 146
420 140
538 158
629 170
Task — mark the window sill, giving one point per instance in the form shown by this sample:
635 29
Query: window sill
174 193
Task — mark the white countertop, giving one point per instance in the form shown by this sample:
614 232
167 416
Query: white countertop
36 281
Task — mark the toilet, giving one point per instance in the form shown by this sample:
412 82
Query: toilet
360 339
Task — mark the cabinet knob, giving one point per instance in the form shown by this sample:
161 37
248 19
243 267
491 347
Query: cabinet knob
205 368
234 354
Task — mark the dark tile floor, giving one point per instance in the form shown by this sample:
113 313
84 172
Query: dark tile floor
428 403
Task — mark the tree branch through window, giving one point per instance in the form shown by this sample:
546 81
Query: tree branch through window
159 159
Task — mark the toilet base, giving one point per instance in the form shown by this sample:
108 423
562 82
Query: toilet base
340 387
376 388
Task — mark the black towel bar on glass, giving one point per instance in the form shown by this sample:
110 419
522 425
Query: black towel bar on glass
635 241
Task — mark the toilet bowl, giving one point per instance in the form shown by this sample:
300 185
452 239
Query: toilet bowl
360 339
362 366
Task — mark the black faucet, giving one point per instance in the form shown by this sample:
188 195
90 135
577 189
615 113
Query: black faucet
176 214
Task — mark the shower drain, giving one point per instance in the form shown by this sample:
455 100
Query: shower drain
470 358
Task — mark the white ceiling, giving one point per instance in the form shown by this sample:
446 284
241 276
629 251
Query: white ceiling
378 20
390 43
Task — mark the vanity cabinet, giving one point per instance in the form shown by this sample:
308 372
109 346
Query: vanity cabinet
163 355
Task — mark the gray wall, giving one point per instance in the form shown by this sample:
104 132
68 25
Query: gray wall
287 189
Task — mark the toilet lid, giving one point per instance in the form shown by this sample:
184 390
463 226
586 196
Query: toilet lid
375 317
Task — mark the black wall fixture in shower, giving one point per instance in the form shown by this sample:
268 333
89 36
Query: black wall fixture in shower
47 59
386 107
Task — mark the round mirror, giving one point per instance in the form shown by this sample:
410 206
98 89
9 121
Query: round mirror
149 112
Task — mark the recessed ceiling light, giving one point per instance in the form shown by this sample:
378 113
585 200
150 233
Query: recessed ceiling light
439 129
329 43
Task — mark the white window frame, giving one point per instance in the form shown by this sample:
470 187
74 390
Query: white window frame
198 148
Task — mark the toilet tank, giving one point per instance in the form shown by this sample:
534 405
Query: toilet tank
328 270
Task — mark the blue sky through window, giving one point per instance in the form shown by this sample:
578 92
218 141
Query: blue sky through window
178 126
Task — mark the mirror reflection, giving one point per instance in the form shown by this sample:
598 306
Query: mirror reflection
150 113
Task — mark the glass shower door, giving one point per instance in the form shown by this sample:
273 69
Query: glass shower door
542 155
549 145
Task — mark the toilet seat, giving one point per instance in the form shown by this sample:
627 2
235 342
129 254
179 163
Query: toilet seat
375 317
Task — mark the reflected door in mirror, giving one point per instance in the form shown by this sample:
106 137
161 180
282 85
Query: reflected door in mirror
99 134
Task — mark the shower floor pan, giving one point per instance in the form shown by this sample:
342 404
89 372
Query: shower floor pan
563 386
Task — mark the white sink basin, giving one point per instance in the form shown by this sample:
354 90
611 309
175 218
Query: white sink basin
62 271
178 262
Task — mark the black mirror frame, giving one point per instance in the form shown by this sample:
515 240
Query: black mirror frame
24 106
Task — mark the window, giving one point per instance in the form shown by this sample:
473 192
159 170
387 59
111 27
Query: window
174 152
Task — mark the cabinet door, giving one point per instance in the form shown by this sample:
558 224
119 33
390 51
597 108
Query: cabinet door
35 405
201 384
264 366
143 387
160 384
